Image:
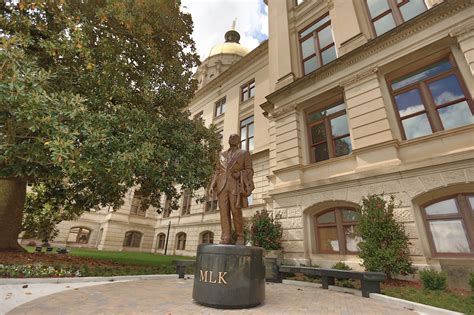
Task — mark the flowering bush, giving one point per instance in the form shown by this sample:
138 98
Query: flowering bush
38 271
266 230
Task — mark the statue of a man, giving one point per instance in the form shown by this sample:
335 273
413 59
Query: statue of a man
233 183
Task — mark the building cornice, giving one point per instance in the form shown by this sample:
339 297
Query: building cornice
407 29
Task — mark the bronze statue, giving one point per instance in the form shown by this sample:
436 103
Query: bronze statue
233 183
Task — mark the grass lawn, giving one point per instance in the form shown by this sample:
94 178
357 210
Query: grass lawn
456 301
133 258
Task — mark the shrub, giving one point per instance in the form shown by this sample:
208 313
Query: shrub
384 245
471 281
433 280
347 283
266 230
341 266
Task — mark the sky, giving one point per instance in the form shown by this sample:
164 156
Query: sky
213 18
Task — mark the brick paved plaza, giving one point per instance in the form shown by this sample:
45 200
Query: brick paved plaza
173 296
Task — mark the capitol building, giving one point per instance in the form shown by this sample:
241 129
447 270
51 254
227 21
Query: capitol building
344 99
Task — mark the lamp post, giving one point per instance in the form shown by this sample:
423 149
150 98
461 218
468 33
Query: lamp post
167 237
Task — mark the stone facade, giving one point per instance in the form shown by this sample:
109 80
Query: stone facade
382 159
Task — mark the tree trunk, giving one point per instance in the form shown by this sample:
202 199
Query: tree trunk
12 203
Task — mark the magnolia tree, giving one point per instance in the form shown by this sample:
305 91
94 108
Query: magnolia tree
93 98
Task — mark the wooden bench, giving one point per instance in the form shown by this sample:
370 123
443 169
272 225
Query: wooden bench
370 281
181 266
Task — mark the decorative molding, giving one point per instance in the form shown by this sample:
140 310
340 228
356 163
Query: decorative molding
358 77
282 111
463 31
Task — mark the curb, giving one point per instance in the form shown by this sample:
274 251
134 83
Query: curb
421 308
85 279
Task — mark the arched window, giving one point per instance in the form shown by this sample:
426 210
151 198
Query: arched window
132 239
181 241
450 225
161 241
335 231
79 235
207 237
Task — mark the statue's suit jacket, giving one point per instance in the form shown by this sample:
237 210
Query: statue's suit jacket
230 163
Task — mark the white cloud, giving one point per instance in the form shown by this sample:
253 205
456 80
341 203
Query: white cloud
213 18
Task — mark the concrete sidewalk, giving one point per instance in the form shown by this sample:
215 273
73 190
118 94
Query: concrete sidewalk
173 296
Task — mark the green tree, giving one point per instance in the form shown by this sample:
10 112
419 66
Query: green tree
43 211
93 97
384 245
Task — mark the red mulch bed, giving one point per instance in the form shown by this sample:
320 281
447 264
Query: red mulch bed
53 259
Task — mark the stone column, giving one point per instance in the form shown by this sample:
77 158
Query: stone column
279 45
368 120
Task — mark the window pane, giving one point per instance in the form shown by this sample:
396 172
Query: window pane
251 130
325 37
409 102
313 27
351 238
251 144
329 55
422 74
310 65
446 90
335 109
243 133
318 133
328 240
243 145
246 121
443 207
252 92
307 47
412 8
349 215
471 201
321 152
449 236
456 115
343 146
376 7
339 126
384 24
416 126
329 217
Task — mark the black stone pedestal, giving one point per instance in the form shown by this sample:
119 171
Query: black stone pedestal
229 276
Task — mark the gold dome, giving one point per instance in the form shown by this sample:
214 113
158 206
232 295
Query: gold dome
229 48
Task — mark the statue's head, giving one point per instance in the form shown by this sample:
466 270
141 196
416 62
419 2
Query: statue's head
234 140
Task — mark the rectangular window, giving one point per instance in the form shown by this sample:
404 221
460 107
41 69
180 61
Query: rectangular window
211 203
186 209
247 91
329 132
386 14
317 44
136 205
246 134
431 99
220 135
220 107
